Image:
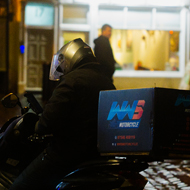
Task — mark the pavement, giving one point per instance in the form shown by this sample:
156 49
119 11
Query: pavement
168 175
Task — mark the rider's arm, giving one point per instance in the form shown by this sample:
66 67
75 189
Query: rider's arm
57 109
41 129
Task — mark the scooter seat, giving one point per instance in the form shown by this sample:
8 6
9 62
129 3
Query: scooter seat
110 163
104 174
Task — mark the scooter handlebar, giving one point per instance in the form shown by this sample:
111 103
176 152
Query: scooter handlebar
34 103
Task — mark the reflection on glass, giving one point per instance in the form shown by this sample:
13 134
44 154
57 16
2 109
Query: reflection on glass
153 50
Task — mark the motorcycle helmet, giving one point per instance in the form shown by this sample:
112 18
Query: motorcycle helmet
68 57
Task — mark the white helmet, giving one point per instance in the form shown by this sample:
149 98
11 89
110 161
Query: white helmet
67 58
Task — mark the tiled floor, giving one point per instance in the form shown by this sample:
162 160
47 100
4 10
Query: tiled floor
167 175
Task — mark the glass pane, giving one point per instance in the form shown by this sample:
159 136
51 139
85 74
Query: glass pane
39 14
75 14
167 19
174 51
146 49
112 17
136 18
69 36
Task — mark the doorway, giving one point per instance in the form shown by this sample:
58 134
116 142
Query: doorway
39 52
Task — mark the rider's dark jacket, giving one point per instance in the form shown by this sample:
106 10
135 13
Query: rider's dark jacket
71 112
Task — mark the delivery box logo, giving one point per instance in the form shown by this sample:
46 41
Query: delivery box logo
182 100
126 115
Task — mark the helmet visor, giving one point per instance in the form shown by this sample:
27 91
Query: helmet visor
54 74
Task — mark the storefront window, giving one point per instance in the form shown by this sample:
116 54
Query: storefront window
167 19
39 14
75 14
144 38
69 36
140 18
153 50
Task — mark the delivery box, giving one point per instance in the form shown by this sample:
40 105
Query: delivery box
149 122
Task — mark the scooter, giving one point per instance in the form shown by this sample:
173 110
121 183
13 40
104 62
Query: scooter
106 174
19 145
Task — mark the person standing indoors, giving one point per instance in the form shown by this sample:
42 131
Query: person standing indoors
103 51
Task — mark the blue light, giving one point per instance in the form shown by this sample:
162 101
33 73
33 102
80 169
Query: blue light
22 48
